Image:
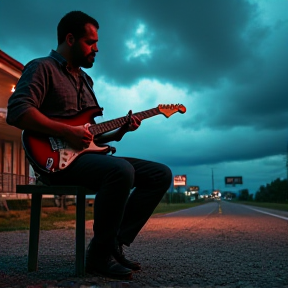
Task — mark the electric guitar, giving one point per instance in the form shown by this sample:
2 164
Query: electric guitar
49 154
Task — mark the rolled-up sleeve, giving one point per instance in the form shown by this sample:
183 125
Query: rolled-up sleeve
30 91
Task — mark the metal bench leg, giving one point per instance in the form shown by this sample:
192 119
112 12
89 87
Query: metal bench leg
80 235
35 215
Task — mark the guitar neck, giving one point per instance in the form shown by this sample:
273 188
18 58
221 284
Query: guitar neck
107 126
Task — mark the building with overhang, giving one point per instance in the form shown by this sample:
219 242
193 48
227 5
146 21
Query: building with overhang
14 167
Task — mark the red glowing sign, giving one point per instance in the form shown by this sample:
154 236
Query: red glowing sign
180 180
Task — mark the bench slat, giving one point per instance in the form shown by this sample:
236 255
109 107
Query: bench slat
53 190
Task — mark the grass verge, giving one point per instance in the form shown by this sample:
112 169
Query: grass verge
51 218
276 206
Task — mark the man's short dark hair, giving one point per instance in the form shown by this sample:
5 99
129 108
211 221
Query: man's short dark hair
74 22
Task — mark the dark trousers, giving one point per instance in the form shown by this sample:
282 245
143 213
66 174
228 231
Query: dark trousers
127 192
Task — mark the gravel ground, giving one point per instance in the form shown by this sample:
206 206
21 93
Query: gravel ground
176 250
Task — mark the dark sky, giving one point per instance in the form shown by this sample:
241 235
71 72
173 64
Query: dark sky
225 60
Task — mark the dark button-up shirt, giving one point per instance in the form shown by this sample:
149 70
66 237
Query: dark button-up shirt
47 85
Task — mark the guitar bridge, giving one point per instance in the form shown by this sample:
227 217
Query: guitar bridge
56 143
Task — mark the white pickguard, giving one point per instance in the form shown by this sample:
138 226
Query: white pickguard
68 154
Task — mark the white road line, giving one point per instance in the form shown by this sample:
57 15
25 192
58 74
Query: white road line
275 215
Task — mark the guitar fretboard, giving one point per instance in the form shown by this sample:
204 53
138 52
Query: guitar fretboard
107 126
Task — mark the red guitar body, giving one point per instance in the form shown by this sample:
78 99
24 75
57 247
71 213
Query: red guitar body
38 146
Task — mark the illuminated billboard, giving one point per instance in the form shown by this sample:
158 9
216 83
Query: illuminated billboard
232 180
180 180
194 188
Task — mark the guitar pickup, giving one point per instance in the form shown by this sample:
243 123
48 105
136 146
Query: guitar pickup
56 143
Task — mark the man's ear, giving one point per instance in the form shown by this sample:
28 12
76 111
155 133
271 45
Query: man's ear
70 39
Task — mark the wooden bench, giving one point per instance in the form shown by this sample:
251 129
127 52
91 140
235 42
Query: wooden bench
37 191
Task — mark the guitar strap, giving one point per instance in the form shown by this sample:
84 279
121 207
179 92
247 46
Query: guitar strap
91 91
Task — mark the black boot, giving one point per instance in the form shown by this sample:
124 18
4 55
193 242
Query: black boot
118 254
100 261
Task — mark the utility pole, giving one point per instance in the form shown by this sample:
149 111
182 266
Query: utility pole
212 180
287 172
287 161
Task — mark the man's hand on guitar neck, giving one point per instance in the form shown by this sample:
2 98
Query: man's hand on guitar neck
135 123
132 124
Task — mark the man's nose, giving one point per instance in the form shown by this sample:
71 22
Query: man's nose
94 48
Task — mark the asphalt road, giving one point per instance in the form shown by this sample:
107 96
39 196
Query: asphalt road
219 244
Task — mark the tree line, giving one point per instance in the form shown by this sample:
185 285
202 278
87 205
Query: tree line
276 191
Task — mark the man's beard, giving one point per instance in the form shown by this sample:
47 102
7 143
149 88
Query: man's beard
85 63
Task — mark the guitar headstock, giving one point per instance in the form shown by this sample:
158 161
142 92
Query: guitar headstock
169 109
